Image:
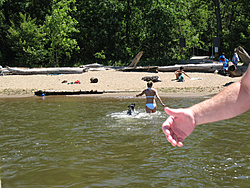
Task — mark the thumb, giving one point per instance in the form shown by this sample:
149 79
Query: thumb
171 112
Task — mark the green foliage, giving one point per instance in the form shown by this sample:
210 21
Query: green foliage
27 42
100 55
112 32
58 26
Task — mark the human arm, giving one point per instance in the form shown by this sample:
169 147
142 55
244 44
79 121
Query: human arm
158 97
140 94
185 74
230 102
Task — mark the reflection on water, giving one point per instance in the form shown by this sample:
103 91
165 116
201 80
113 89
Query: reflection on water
92 142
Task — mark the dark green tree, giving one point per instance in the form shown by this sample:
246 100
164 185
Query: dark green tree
59 26
27 41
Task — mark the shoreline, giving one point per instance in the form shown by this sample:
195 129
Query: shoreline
14 97
115 83
116 94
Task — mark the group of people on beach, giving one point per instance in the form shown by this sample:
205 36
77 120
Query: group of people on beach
151 93
181 122
225 61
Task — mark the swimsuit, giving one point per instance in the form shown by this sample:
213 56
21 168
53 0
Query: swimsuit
151 105
181 78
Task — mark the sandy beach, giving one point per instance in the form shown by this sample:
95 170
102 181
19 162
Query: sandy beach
115 83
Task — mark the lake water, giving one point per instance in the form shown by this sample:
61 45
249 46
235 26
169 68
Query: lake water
90 142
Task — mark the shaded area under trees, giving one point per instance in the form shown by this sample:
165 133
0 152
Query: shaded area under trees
43 33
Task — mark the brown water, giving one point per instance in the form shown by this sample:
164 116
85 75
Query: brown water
91 142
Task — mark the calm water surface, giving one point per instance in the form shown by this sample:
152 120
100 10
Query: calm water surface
91 142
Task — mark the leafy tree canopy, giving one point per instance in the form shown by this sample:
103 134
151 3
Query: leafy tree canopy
45 33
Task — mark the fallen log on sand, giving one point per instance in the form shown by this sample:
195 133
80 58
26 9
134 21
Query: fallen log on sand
139 69
237 71
206 67
65 92
56 70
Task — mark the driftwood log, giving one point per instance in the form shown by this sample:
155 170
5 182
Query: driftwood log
65 92
140 69
206 67
136 59
57 70
243 55
237 71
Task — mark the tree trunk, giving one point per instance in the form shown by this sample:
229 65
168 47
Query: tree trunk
218 18
128 14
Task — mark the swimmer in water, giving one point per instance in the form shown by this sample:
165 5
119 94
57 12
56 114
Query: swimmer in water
150 96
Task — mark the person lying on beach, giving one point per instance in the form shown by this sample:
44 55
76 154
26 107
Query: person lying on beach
150 96
177 73
230 102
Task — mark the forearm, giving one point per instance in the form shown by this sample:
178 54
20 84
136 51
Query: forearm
187 75
140 94
159 99
232 101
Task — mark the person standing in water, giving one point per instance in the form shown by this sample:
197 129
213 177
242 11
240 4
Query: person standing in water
150 96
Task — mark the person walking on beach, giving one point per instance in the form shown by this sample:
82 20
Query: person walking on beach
179 72
236 58
181 122
150 96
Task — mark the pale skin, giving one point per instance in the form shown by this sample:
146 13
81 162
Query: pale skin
231 102
151 92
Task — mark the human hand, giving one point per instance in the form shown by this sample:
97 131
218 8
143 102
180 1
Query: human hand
178 125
